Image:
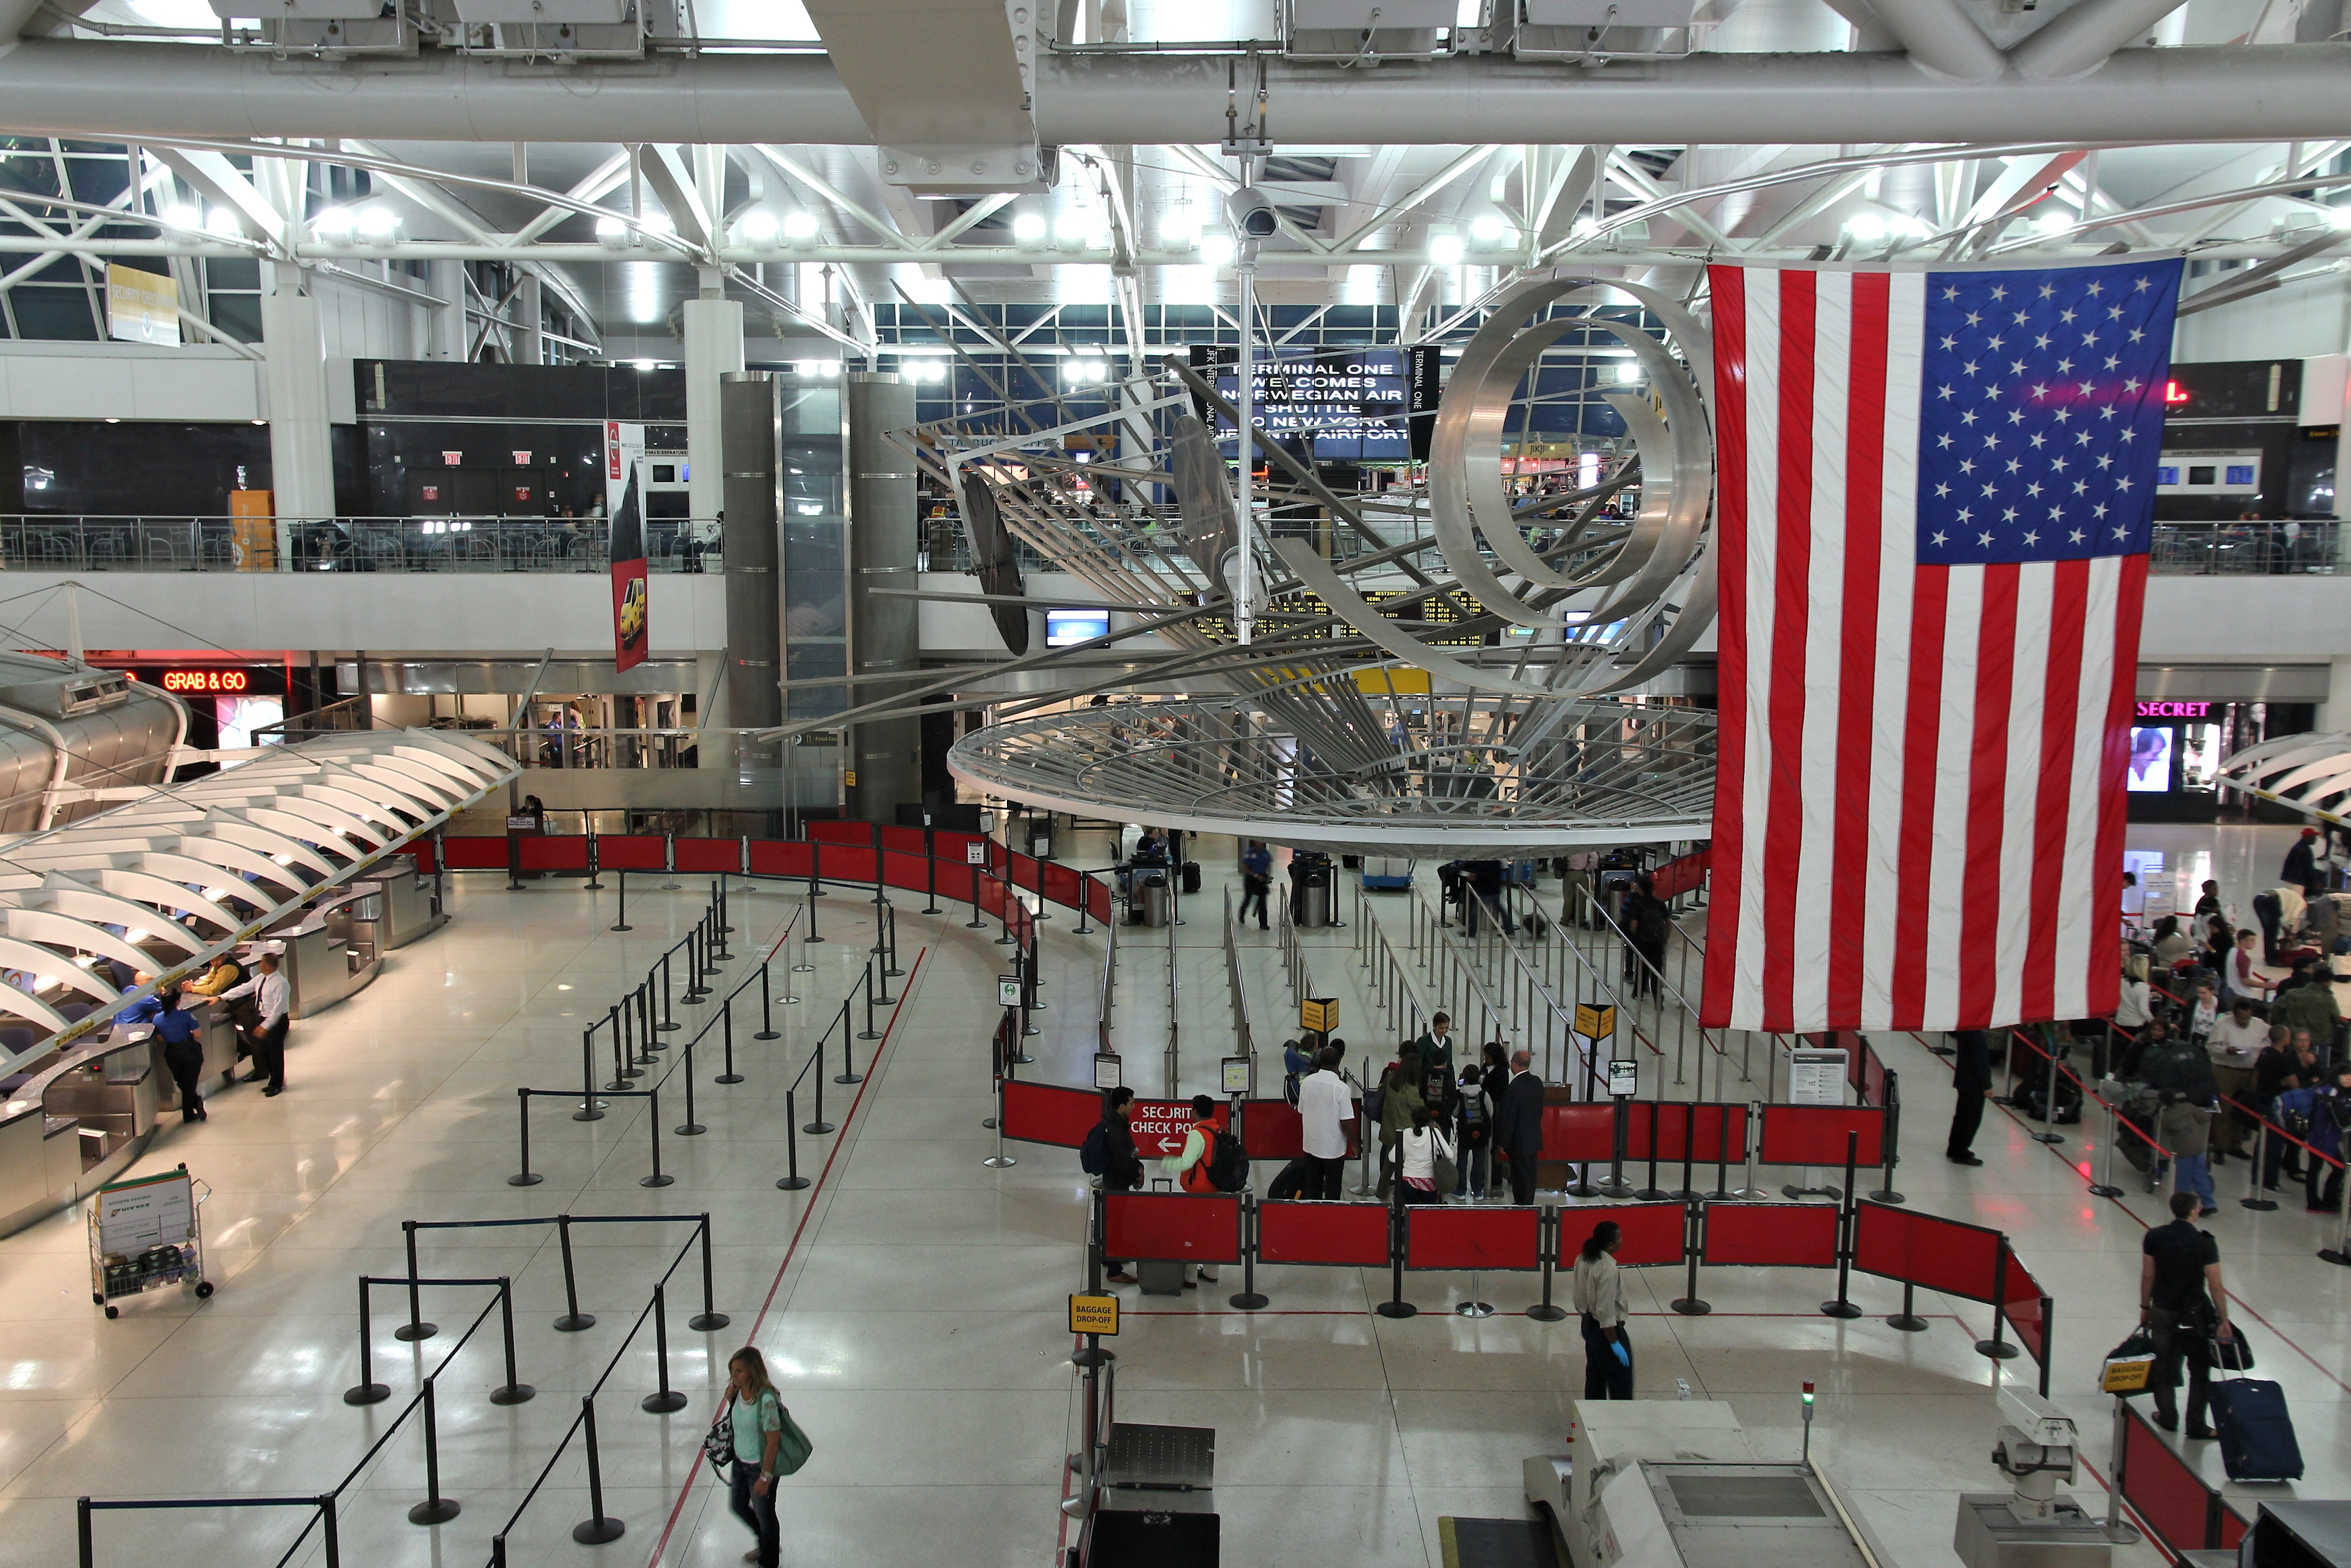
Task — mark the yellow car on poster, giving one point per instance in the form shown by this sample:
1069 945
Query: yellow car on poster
632 611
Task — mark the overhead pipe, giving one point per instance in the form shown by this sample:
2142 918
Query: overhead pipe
1939 34
164 91
2089 33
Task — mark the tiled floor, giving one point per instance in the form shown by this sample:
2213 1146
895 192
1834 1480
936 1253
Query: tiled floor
911 1300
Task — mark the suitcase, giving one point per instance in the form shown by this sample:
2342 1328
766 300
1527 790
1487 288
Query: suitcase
2257 1440
1191 876
1289 1183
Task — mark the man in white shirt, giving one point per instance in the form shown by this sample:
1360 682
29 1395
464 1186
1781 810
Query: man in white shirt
275 997
2234 1044
1324 1109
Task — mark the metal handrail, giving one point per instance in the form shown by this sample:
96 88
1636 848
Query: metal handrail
37 542
1243 1035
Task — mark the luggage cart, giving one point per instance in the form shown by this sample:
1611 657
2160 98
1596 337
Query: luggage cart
145 1234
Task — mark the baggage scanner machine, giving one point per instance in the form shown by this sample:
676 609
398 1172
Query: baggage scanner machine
1674 1483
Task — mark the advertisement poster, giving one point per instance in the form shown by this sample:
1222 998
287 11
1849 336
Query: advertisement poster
624 453
2150 759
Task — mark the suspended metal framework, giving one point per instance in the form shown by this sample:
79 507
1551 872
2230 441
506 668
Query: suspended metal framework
1460 777
179 874
2306 773
1424 669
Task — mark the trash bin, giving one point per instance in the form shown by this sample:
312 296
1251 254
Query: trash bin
1153 896
1040 837
1313 907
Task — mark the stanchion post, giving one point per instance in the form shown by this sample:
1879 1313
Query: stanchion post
1892 1137
1652 1193
1907 1319
1997 1348
1690 1305
931 860
709 1317
623 924
690 1128
599 1527
669 1017
1843 1307
2254 1165
1083 913
1620 1130
573 1320
622 1067
813 889
652 1123
1690 1151
726 1036
2105 1186
767 1030
2340 1253
366 1390
1547 1242
792 1181
416 1328
2049 1132
515 1391
525 1176
1721 1193
435 1508
848 1074
1396 1306
588 1110
665 1399
1248 1301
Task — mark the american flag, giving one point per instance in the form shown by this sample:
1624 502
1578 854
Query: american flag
1936 493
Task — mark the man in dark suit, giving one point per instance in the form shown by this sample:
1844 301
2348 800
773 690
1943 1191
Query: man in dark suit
1971 1067
1518 1127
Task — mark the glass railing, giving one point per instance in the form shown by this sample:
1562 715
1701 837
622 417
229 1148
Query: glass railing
69 542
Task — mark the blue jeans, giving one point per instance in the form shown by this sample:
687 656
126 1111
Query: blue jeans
1473 1166
2193 1173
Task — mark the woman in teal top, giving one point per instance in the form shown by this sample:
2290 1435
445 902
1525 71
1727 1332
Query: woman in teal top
759 1418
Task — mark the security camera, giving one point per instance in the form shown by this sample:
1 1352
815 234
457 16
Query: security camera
1251 214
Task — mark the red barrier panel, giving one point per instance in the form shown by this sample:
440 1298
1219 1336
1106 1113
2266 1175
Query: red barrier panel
1044 1113
1708 1137
904 841
423 849
707 854
955 880
1815 1135
1271 1130
1445 1237
1060 884
1352 1235
911 872
475 854
1922 1249
1770 1235
1687 874
1098 900
1187 1227
554 851
780 857
2166 1492
1578 1132
1019 870
840 862
1653 1232
842 833
630 851
2024 1308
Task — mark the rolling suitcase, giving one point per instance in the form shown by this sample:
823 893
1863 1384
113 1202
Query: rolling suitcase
1289 1183
1191 877
2256 1434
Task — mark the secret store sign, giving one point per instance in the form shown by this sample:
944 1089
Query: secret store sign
2175 710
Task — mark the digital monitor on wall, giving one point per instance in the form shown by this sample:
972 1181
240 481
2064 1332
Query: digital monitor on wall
1355 404
1068 628
2150 759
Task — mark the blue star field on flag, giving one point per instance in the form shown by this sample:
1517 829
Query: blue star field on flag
2040 412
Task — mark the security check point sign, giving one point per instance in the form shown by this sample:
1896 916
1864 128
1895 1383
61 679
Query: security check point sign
1159 1126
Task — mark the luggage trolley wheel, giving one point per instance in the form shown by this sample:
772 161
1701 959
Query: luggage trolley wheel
204 1289
113 1311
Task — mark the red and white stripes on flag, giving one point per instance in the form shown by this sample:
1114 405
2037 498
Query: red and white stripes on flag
1919 808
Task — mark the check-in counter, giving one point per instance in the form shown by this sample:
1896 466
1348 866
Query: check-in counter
412 905
329 949
75 1126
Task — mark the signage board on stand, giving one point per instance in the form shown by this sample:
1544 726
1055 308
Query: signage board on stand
1816 1077
1623 1079
1159 1126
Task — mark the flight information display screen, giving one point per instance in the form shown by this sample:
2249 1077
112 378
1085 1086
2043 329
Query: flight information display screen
1352 402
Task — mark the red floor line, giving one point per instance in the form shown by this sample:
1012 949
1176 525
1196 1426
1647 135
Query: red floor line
2250 1310
872 1064
1447 1311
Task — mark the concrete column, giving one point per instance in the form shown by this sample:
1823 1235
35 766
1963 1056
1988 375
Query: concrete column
301 456
754 592
2335 713
713 346
883 633
445 333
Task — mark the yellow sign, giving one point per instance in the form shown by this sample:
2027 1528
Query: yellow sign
142 307
1320 1014
1397 680
1093 1315
1595 1022
849 778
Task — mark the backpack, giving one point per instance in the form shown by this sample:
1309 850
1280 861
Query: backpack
1094 1155
1229 1167
1376 1097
